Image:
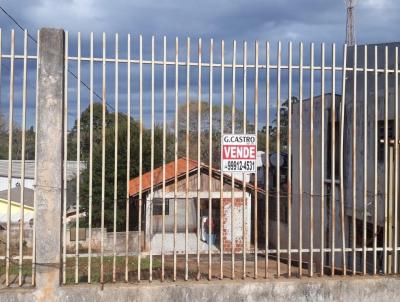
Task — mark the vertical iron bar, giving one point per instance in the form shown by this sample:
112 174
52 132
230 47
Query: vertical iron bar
164 153
152 161
354 160
187 158
221 228
289 146
115 161
103 156
267 80
10 140
176 149
233 175
375 158
244 202
311 260
301 161
210 100
333 158
22 186
365 195
140 152
255 175
198 155
341 162
90 160
128 159
323 166
78 159
278 159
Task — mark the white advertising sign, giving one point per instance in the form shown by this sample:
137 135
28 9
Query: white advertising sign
239 153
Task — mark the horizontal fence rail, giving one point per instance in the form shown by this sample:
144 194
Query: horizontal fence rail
145 196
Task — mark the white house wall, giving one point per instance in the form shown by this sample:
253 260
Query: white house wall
227 225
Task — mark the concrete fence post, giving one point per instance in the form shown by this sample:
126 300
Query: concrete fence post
49 163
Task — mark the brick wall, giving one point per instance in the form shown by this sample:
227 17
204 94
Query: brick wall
238 224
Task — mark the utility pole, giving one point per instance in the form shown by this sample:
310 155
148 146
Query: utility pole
350 32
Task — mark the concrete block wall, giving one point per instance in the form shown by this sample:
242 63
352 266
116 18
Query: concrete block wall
14 235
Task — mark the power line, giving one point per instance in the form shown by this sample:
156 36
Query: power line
69 71
16 22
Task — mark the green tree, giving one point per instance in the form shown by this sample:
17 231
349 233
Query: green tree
109 162
16 141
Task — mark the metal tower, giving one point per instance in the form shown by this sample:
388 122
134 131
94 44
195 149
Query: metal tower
350 33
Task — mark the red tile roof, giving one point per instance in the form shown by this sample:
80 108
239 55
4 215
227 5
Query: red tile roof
170 175
158 175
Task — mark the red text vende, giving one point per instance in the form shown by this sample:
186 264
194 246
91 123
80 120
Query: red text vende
239 152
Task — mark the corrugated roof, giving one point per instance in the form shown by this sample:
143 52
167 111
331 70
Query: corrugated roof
30 168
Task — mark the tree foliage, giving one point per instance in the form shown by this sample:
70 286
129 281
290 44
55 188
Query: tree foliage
16 141
110 146
271 130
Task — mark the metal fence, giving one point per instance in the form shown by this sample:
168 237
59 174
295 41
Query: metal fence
143 122
18 79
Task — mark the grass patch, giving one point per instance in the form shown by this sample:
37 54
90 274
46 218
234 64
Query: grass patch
120 264
26 271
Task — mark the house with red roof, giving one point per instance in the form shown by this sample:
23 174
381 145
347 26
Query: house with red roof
182 206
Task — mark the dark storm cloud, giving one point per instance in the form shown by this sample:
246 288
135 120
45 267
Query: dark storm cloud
319 20
284 20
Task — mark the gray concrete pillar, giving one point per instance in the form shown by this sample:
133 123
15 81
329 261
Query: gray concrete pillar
49 163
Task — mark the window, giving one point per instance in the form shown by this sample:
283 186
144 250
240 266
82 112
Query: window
157 206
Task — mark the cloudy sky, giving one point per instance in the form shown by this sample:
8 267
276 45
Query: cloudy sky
284 20
298 20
